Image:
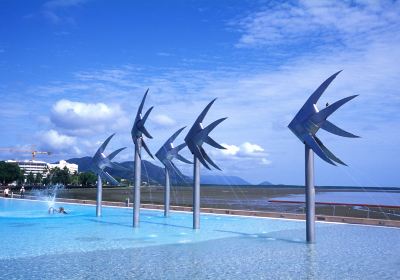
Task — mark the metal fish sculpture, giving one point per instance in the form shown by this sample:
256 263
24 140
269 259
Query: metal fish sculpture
99 162
166 154
195 139
305 125
137 132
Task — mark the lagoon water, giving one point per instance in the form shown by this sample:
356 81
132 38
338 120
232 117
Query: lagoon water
367 197
35 245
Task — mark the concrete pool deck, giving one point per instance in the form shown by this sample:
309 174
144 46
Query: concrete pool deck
263 214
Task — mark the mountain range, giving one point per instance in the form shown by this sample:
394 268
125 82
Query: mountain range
154 174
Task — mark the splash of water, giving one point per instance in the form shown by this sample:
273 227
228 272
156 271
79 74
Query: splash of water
49 194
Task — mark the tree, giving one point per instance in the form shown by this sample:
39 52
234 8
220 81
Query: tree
9 172
46 180
74 179
87 179
21 179
38 178
30 179
60 176
54 175
65 176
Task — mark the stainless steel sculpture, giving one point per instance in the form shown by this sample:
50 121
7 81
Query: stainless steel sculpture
99 162
166 154
305 125
195 138
138 130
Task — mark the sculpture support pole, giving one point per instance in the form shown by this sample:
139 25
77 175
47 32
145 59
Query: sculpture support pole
310 195
99 196
196 193
136 188
167 193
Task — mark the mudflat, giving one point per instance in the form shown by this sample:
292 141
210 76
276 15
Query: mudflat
253 198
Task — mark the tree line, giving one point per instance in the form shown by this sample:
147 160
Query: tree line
10 172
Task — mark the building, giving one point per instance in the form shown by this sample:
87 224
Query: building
34 166
72 167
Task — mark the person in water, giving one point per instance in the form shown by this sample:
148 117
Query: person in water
22 192
60 210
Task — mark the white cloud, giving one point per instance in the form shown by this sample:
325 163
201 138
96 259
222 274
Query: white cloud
79 117
230 149
54 10
249 148
163 120
246 151
56 141
55 4
330 22
265 161
81 110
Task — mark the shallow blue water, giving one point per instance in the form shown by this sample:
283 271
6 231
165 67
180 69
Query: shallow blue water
35 245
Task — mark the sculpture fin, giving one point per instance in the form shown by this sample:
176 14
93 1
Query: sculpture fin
313 99
173 137
328 153
180 146
326 112
174 168
198 154
141 104
117 166
146 115
330 127
210 127
212 142
200 118
181 158
145 132
113 154
104 145
147 149
208 159
170 166
312 143
109 178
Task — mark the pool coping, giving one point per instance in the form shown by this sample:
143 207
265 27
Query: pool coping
246 213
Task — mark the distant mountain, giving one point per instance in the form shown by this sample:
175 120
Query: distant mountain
154 174
223 180
151 173
83 163
265 183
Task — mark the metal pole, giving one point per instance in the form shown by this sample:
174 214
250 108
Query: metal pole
196 193
99 196
136 188
167 193
310 195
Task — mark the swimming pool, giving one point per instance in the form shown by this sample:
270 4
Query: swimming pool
35 245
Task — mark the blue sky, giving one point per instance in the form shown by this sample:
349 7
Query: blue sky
74 71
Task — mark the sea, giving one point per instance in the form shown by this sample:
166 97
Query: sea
354 197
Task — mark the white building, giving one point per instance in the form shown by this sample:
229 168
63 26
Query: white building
34 166
72 167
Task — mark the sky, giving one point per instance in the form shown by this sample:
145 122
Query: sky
72 72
